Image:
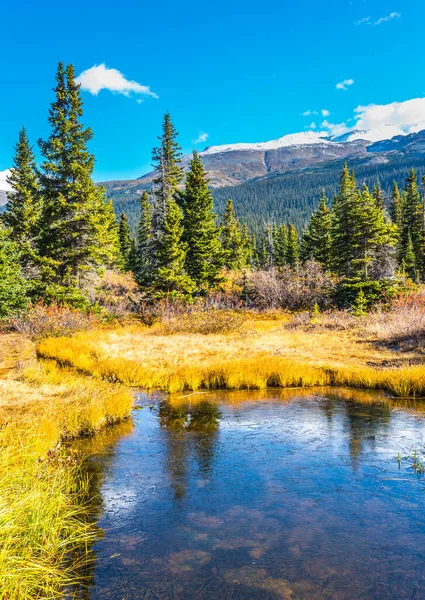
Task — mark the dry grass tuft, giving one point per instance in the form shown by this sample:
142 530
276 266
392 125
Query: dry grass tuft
43 522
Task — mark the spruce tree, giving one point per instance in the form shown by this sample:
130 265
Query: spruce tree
13 286
79 235
24 206
344 214
378 195
408 263
249 246
413 224
204 257
168 250
396 214
280 245
317 239
143 255
234 248
266 249
125 242
292 251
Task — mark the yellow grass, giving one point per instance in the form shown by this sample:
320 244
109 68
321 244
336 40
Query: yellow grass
262 354
42 518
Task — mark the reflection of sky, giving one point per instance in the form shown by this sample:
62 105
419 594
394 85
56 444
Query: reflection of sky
317 476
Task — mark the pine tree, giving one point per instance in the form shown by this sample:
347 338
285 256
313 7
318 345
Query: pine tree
143 256
413 223
79 236
235 255
266 250
168 250
248 245
125 242
292 251
363 240
344 211
396 214
379 196
204 257
13 286
408 263
280 245
396 206
24 206
317 239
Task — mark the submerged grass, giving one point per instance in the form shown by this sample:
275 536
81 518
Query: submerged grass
265 354
45 532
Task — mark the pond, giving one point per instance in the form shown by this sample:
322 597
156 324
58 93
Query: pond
262 495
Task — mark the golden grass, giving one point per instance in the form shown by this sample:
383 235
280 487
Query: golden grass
263 354
43 522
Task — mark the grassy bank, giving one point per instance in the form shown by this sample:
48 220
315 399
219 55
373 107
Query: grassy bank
262 351
43 517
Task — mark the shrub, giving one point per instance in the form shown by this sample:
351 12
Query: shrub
118 294
206 321
41 321
292 289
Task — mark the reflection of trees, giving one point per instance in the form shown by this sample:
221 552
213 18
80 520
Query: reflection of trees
366 414
188 430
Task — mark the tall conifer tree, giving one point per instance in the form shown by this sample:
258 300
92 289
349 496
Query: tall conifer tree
79 233
143 253
235 255
125 242
413 225
13 286
317 238
24 206
204 257
280 245
292 252
168 250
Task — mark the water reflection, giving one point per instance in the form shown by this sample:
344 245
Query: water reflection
261 495
178 417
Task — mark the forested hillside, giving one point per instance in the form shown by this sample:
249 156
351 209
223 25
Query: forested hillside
289 197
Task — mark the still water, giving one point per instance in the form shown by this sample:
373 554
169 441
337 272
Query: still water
261 495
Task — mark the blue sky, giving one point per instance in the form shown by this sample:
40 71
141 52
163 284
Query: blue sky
238 71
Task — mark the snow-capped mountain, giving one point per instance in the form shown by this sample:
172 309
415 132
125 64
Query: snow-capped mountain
294 139
377 134
4 186
306 138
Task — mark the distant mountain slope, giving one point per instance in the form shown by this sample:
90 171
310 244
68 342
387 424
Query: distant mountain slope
284 181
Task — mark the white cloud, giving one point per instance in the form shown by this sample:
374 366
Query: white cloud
99 77
343 85
369 21
408 115
325 113
393 15
312 125
335 128
202 137
309 112
366 20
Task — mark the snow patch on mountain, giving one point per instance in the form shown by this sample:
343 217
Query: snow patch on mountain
377 134
306 138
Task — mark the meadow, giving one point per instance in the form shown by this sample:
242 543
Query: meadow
218 349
